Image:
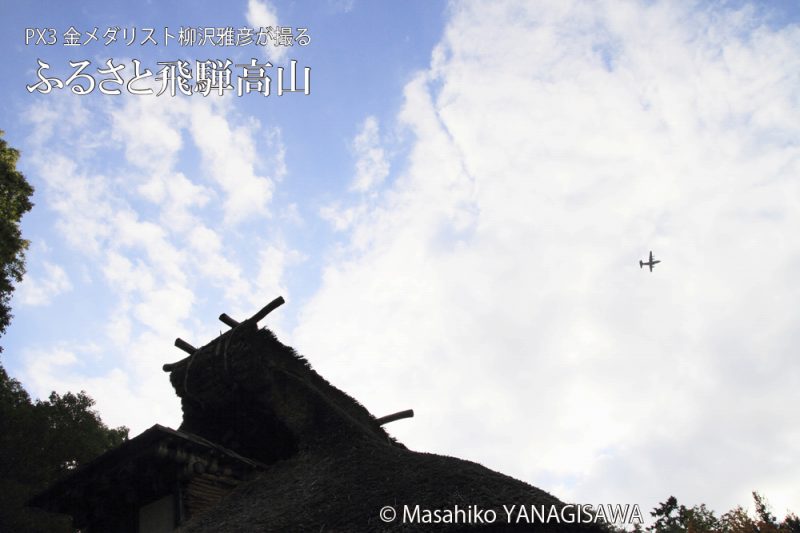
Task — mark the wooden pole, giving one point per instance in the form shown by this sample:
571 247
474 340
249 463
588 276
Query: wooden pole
188 348
227 320
408 413
185 346
270 307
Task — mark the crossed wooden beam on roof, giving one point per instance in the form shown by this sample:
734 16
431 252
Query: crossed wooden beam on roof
224 318
267 309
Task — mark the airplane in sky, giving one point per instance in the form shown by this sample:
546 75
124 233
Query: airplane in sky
650 263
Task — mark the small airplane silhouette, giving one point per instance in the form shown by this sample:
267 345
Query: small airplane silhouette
650 263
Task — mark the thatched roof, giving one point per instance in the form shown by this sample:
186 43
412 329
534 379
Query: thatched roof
343 490
139 469
330 465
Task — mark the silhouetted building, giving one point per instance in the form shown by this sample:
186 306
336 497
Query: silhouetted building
267 444
150 483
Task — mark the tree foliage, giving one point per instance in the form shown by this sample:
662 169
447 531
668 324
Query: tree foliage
669 517
39 442
673 518
15 193
43 440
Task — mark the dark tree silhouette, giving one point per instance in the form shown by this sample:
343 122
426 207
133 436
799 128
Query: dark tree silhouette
39 442
15 193
673 518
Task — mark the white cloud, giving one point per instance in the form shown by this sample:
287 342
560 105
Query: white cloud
80 200
494 287
274 260
162 119
34 291
183 198
231 157
263 14
371 170
121 398
155 236
371 165
49 117
42 364
291 213
341 218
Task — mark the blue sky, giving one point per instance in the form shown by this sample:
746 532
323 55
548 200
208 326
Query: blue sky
454 214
